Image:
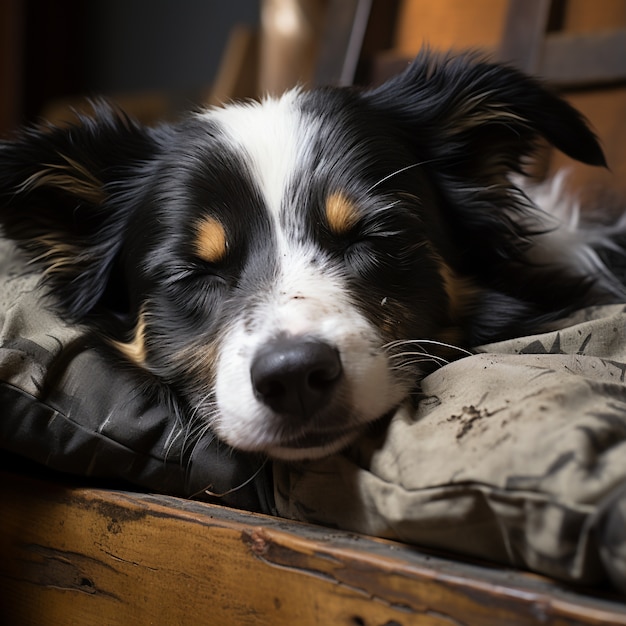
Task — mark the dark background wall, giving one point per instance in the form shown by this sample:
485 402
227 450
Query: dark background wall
159 44
69 48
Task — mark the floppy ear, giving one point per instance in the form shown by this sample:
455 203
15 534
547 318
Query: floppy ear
66 195
471 113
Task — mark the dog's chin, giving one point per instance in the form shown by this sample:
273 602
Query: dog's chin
312 447
302 446
310 450
317 445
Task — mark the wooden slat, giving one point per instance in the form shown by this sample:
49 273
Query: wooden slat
449 24
92 556
340 47
237 75
289 43
584 59
582 16
524 32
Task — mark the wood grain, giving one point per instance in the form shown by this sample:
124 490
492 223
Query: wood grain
90 556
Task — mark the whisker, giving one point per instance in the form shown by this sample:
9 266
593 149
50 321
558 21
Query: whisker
419 342
197 438
397 172
212 494
197 424
172 438
425 357
178 429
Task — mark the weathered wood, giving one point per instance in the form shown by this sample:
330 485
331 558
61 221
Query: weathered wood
92 556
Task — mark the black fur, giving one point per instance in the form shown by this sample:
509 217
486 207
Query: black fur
106 208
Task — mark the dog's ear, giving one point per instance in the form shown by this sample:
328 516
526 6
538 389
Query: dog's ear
66 195
471 114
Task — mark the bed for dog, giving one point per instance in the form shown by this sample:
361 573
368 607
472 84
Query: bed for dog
513 456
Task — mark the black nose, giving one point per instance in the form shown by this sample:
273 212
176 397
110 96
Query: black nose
295 376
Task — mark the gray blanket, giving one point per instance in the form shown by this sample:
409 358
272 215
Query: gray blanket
516 454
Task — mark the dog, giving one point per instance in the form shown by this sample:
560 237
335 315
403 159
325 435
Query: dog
289 269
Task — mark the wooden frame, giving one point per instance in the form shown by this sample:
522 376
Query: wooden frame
562 59
77 555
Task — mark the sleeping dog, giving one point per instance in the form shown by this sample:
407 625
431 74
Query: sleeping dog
289 269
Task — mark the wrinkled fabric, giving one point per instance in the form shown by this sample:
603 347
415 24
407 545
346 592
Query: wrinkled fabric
516 454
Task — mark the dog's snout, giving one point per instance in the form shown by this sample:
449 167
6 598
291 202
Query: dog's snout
296 376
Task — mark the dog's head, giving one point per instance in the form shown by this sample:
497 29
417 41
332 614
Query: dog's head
289 267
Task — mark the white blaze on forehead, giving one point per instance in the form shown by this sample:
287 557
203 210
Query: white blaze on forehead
272 135
309 296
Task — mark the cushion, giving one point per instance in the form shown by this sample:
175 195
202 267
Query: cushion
516 454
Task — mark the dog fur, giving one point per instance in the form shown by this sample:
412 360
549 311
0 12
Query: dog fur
289 269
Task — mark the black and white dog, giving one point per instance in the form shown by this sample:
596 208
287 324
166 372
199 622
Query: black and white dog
289 269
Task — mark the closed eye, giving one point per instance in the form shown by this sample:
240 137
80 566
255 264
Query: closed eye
196 271
196 289
392 244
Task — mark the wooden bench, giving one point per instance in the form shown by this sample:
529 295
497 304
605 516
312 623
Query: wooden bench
83 555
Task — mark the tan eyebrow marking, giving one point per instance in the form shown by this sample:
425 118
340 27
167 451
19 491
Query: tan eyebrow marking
341 213
135 349
211 244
